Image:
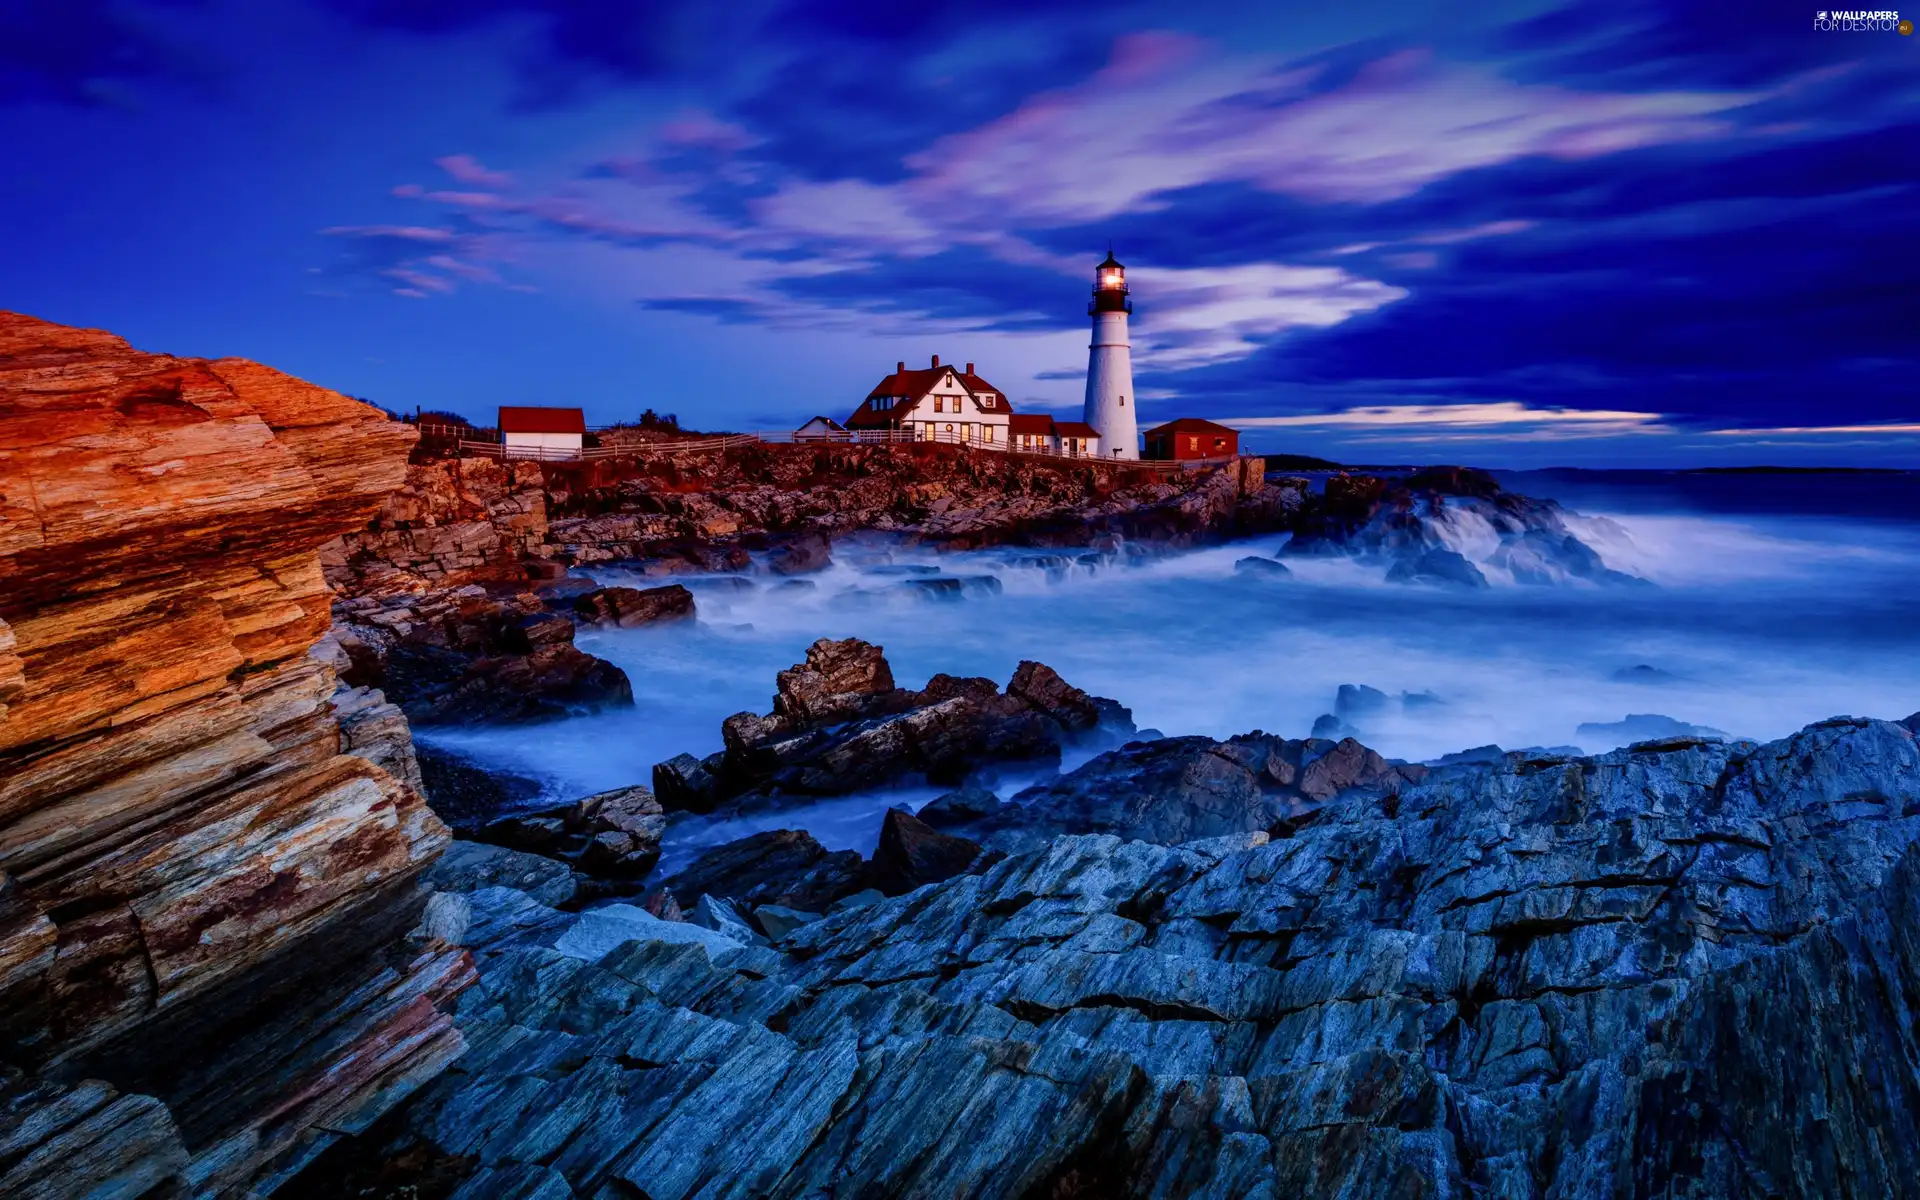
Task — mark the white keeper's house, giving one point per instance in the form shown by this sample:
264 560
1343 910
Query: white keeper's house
937 403
953 404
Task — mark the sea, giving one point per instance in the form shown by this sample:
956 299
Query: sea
1779 599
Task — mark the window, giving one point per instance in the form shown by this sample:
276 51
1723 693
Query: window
1123 402
989 434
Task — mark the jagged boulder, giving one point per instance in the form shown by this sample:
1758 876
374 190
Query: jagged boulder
811 552
912 854
839 724
1181 789
839 680
613 835
785 867
630 607
467 657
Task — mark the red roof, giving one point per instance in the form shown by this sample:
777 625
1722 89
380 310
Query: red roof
906 388
1075 429
1191 425
881 417
1030 424
985 391
542 420
911 384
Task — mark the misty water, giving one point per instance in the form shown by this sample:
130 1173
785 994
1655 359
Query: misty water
1766 616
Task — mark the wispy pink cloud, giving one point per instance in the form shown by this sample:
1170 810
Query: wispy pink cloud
465 168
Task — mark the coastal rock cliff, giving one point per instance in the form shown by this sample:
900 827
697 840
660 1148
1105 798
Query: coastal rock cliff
461 521
196 884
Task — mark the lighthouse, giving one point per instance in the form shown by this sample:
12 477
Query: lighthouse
1110 399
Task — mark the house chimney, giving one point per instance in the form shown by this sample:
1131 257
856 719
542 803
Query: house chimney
936 360
900 366
969 368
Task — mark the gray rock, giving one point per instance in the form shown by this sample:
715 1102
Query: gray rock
1643 673
62 1140
613 835
1436 566
777 866
1683 969
811 552
469 866
865 898
1331 728
600 931
1265 568
518 1181
958 808
721 916
447 918
1355 700
1643 727
777 922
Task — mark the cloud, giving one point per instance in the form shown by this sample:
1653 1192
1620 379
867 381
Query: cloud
1375 229
1822 431
1206 315
1489 421
415 261
465 168
1165 115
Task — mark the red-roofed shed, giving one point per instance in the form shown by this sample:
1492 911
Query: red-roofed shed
1190 438
542 432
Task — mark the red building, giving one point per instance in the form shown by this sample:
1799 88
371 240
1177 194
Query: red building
1191 438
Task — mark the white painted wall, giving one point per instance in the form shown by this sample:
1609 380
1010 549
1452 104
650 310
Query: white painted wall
1110 400
949 403
553 442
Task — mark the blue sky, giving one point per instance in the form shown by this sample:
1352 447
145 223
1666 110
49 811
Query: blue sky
1522 235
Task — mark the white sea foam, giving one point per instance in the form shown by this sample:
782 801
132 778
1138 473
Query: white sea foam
1764 627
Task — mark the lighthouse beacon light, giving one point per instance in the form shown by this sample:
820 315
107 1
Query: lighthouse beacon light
1109 405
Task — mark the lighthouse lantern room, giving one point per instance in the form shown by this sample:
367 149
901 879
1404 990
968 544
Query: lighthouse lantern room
1110 400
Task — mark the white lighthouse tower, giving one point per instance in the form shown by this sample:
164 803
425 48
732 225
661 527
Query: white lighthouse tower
1110 399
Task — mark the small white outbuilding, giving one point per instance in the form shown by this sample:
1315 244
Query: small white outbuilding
531 432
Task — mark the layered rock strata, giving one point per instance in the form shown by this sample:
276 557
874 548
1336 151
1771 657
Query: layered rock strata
1679 969
183 844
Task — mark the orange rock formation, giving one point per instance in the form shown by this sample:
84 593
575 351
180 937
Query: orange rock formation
178 827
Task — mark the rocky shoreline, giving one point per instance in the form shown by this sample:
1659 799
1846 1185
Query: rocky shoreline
1258 967
241 955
